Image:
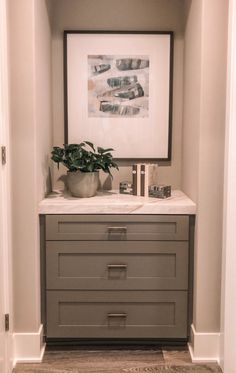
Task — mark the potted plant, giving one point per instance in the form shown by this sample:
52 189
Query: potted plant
83 162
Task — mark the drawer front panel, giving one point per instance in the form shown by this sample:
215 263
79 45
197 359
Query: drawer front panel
76 314
116 228
112 265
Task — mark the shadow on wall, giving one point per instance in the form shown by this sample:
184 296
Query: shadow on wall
105 181
187 7
48 182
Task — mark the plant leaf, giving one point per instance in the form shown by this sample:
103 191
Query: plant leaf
76 157
107 150
90 144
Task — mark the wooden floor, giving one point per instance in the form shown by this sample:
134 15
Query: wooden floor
116 360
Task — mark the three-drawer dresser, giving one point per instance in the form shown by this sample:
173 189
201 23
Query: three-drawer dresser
116 267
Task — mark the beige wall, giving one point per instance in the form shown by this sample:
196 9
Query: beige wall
203 148
192 94
30 107
120 15
228 299
43 97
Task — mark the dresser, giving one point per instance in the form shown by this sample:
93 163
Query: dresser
116 267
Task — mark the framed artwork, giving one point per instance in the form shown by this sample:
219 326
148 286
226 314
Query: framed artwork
118 91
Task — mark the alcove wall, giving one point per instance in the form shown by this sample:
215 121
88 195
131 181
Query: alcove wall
30 107
154 15
205 63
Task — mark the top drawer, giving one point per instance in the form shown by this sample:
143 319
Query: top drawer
117 227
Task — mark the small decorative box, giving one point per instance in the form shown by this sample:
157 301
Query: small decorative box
126 187
160 191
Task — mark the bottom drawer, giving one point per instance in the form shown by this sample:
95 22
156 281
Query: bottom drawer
106 314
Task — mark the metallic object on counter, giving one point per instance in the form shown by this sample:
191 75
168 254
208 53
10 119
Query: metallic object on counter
160 191
126 187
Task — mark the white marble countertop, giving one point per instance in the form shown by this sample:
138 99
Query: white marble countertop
111 202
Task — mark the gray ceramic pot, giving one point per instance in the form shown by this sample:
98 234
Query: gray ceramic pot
83 184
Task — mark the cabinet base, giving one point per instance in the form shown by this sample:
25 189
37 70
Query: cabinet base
106 342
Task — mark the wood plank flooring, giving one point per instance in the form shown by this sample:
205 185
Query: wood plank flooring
110 359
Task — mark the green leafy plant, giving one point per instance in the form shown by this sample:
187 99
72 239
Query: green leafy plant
84 157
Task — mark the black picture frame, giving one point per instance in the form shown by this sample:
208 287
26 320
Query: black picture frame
67 92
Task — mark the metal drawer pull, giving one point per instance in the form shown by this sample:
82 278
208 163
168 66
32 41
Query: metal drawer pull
117 315
117 266
116 230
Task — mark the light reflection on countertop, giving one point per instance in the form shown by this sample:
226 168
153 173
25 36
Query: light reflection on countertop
112 202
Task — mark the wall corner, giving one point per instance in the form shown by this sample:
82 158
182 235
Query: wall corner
204 347
28 347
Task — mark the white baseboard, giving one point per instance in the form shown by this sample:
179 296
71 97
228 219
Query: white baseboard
204 347
28 347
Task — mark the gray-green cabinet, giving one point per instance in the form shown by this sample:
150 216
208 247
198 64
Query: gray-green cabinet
115 276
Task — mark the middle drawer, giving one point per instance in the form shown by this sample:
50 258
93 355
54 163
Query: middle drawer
104 265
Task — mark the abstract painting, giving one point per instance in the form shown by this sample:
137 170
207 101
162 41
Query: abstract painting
118 86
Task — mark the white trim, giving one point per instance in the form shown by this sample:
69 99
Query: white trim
11 357
204 347
28 347
5 181
228 300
